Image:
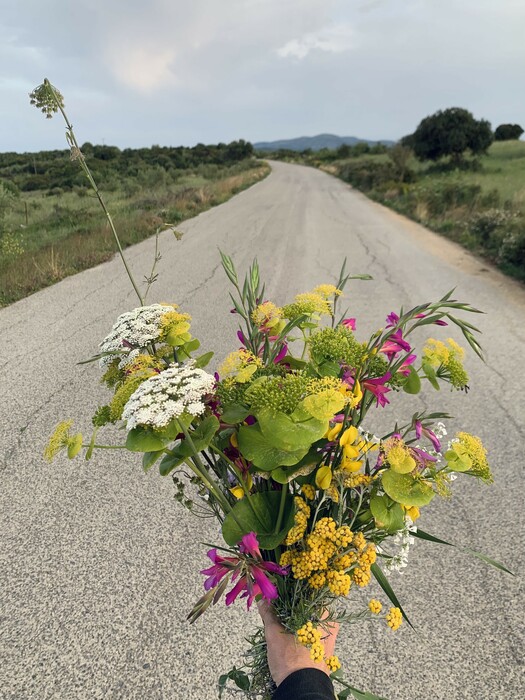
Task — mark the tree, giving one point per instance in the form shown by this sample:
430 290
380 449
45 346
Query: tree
508 132
450 132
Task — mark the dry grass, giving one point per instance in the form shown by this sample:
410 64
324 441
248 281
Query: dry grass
72 251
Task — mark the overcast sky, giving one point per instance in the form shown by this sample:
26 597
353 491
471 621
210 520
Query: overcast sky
170 72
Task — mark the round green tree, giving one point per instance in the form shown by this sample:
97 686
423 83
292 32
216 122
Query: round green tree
451 132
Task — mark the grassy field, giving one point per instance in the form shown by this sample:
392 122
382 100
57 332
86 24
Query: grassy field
50 234
480 205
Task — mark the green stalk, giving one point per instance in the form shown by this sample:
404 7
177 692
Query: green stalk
71 138
281 509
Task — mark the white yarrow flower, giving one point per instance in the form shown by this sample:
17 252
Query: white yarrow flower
178 389
132 331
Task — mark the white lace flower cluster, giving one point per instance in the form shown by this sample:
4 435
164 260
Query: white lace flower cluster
136 328
402 539
178 389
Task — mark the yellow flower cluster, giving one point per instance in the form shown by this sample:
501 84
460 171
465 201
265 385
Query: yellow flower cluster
309 636
329 555
302 513
308 303
474 449
174 327
308 491
333 663
327 290
394 619
437 354
268 317
375 606
62 439
355 480
242 364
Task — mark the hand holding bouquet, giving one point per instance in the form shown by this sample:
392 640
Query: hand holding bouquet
312 505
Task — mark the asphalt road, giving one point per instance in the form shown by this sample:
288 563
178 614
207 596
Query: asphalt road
99 565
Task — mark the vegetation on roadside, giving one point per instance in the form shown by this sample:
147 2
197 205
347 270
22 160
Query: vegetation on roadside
477 202
51 226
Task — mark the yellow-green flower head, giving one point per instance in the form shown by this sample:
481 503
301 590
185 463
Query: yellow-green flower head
268 318
327 290
467 454
279 393
174 327
337 345
241 364
309 304
398 456
61 439
450 358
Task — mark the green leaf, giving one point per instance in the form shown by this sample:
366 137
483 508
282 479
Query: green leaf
412 384
431 538
430 374
329 369
235 413
385 585
256 448
350 691
149 459
192 345
171 461
290 432
406 490
388 514
203 360
258 513
144 440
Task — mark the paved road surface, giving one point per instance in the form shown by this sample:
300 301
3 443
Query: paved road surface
99 565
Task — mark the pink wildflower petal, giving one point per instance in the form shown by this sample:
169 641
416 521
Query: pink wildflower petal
378 389
250 545
274 568
281 354
241 337
239 587
349 323
440 322
392 319
268 589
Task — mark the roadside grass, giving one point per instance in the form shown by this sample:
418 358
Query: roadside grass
481 205
49 237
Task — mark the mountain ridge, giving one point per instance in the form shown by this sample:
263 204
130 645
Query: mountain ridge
315 143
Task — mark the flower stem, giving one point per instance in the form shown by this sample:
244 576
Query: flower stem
281 509
71 139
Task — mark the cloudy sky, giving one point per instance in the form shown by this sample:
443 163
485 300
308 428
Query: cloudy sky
170 72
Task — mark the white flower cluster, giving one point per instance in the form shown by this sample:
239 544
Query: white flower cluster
178 389
402 539
138 328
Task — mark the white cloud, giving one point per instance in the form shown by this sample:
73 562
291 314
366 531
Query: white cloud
335 39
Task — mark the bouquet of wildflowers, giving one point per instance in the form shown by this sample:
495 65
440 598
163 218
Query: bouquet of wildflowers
311 504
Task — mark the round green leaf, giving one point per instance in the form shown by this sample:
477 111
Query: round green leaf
284 433
256 448
387 513
144 440
413 382
405 489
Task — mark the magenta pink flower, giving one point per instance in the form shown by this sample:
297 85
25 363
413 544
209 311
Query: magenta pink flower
248 570
378 388
349 323
395 344
392 320
439 322
429 434
404 368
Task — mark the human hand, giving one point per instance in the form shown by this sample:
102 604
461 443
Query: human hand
285 654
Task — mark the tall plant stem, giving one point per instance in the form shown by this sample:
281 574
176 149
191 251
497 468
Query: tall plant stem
71 139
281 509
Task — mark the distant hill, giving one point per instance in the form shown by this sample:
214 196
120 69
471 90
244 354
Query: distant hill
315 143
